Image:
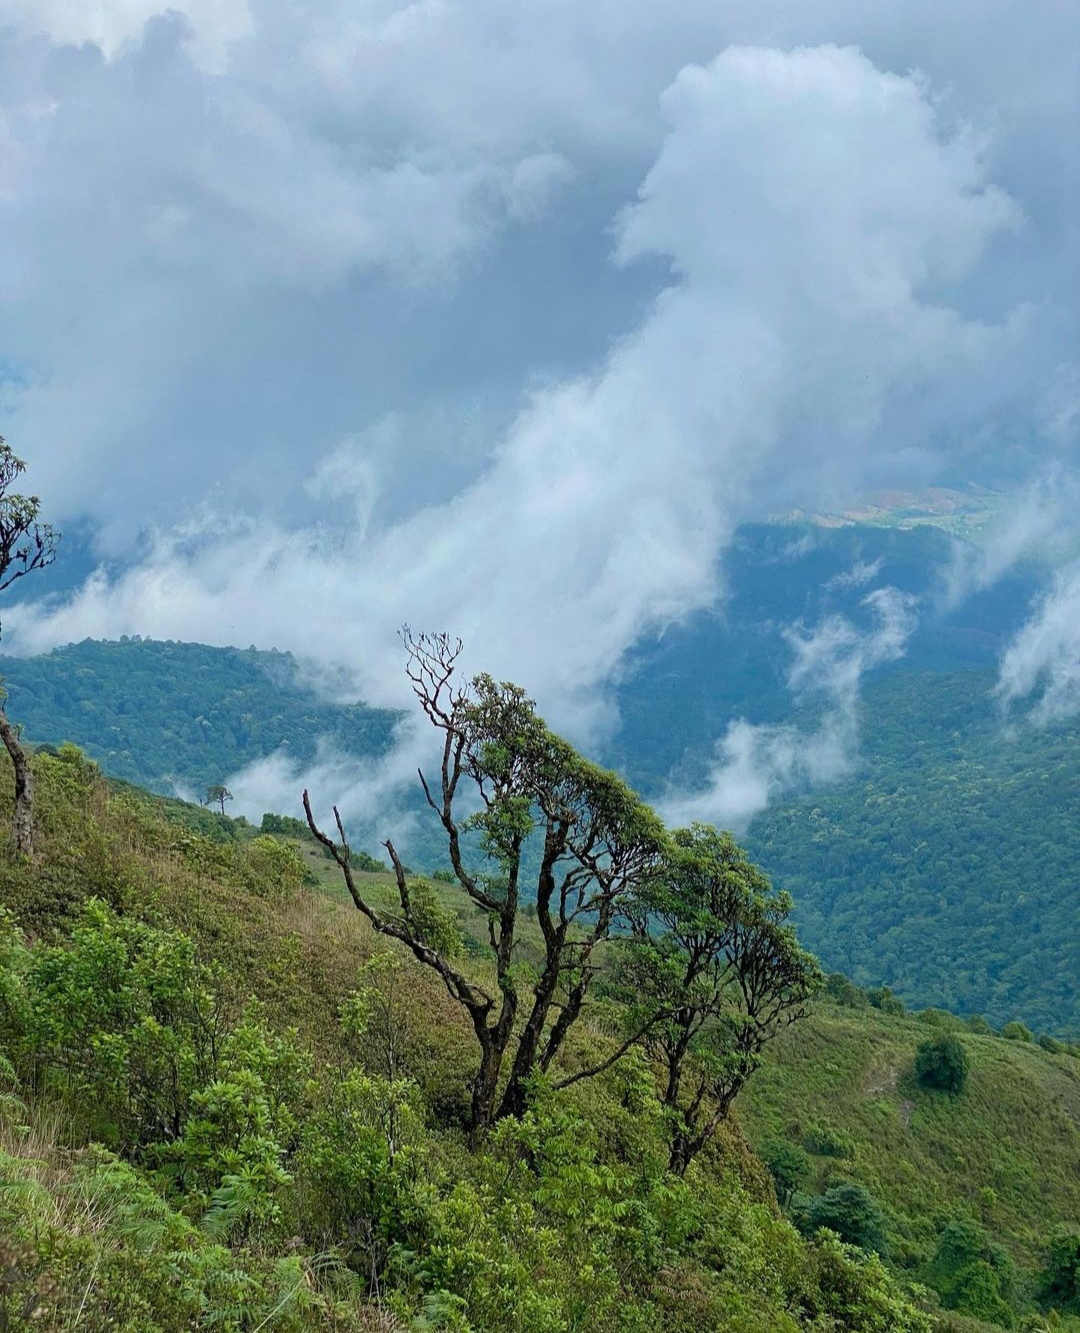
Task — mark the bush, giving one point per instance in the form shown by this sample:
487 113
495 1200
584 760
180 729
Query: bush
942 1064
881 997
842 990
826 1141
972 1275
1016 1031
126 1023
788 1165
1060 1283
853 1213
941 1019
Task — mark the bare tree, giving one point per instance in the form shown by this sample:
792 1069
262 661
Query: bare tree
526 804
25 545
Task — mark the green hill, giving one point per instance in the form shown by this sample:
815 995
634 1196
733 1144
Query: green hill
198 1128
181 715
949 867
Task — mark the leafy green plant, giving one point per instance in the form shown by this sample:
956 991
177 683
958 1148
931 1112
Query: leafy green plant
853 1213
943 1064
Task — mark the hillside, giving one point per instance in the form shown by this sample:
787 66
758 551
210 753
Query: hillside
181 716
283 1197
949 866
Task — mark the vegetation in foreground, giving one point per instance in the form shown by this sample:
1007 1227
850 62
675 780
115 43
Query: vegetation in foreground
228 1104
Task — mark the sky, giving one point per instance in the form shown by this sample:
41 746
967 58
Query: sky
325 317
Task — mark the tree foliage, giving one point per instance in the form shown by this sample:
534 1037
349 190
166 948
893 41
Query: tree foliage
717 972
521 786
853 1213
942 1063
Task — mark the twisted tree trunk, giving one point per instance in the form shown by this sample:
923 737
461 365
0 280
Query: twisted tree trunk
22 827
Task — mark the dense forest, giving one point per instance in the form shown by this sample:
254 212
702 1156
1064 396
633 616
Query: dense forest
948 866
182 716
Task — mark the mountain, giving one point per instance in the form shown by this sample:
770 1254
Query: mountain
946 865
181 716
949 867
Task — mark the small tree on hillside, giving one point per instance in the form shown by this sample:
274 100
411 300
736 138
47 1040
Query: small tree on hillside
595 843
218 793
715 972
942 1064
788 1165
853 1213
25 545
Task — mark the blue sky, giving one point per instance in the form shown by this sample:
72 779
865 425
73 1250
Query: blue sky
323 317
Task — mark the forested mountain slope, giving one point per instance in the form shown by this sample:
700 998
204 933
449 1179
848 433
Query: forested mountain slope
949 867
198 1129
181 715
946 867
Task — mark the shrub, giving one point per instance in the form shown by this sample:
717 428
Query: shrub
942 1064
788 1165
276 869
1016 1031
881 997
942 1019
853 1213
126 1022
842 990
972 1274
827 1141
1060 1282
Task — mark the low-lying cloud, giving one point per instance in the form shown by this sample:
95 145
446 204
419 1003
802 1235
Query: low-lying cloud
1042 663
755 765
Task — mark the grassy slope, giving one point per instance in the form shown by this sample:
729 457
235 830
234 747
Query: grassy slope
1008 1148
1015 1131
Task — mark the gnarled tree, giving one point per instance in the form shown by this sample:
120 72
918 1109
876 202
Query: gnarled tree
25 545
714 965
516 801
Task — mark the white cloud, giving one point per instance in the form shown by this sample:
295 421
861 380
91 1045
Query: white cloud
1043 660
1040 521
758 764
814 216
861 573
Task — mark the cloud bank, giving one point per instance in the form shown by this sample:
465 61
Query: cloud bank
1042 663
814 217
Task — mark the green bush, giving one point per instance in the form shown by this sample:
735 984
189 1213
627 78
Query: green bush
853 1213
1016 1031
788 1165
827 1141
125 1023
942 1064
881 997
1060 1280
